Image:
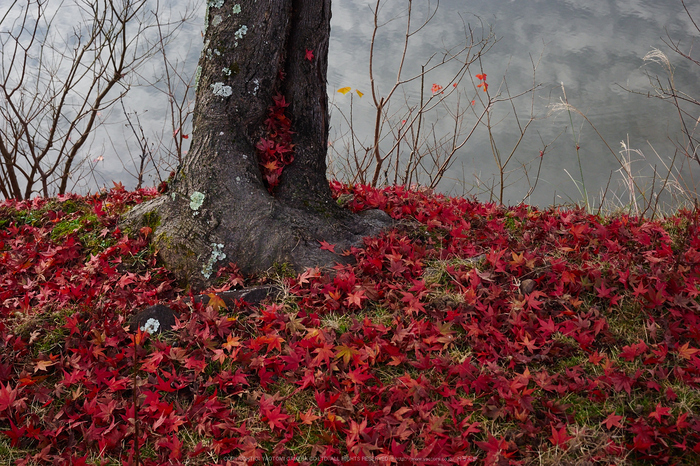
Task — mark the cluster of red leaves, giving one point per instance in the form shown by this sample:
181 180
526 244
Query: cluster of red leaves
482 82
429 380
275 150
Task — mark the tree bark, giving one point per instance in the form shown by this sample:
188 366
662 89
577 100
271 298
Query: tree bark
218 208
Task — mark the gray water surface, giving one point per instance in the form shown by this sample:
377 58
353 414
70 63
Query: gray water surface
591 48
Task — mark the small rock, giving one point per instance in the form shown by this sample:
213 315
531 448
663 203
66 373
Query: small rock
527 286
252 295
147 319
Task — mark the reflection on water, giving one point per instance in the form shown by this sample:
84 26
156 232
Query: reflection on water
593 47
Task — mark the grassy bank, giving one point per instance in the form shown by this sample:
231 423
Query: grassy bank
469 334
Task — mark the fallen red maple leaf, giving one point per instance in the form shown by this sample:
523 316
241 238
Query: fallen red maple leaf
8 397
275 417
560 437
308 417
327 246
659 412
14 434
613 420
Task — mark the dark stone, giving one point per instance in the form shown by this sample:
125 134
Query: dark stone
160 312
527 286
253 295
166 316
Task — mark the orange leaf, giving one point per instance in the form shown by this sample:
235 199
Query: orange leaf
216 302
686 352
231 342
344 90
308 417
270 166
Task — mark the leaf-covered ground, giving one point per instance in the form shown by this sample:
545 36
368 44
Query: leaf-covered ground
469 334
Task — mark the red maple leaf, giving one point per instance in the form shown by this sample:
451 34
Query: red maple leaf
308 417
659 412
560 437
198 365
630 352
321 401
14 434
359 376
494 447
8 397
324 353
172 445
655 298
126 279
603 291
532 301
529 344
613 420
547 327
355 431
275 417
356 298
327 246
72 324
272 342
309 55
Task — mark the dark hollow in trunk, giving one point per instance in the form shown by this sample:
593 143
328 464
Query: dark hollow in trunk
218 208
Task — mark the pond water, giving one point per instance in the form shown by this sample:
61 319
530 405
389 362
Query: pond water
592 49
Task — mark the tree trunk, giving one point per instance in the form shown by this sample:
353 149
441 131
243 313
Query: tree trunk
219 208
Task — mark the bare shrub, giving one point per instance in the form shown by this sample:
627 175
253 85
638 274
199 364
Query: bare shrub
55 87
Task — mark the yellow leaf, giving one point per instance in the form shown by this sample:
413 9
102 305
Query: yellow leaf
344 90
216 302
346 353
359 93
